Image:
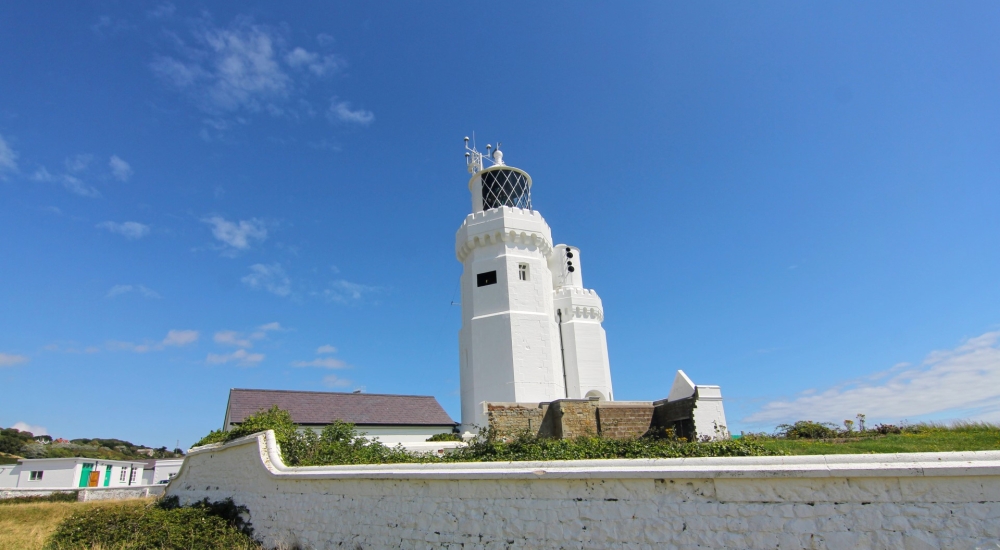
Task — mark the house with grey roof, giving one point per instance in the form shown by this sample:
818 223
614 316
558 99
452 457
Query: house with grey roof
403 419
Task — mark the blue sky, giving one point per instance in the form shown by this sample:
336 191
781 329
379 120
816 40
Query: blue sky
798 202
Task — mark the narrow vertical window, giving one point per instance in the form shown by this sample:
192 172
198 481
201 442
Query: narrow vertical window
522 271
121 476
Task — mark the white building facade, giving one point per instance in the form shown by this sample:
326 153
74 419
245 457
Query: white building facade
530 330
70 473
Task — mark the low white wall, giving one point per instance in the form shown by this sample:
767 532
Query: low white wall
91 493
910 501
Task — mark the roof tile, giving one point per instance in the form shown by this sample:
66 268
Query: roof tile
310 407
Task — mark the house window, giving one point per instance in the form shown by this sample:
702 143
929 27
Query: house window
488 278
36 475
522 271
121 477
131 478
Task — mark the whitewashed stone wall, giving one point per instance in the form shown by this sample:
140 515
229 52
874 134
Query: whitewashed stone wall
915 501
89 493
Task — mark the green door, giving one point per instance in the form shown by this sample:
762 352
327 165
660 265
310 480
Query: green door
107 476
85 474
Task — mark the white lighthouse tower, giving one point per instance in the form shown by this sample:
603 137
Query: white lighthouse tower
530 331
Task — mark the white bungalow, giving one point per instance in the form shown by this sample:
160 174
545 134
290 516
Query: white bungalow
70 473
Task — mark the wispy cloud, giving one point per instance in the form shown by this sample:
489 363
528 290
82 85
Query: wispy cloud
341 111
271 278
245 68
322 362
239 339
326 349
174 338
964 381
237 235
228 69
71 183
9 360
143 290
334 381
240 357
162 11
345 292
130 230
120 169
8 158
35 430
78 163
320 65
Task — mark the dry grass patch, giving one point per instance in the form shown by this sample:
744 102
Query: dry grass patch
28 526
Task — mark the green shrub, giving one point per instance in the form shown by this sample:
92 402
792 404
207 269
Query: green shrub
526 446
61 496
449 436
807 429
203 526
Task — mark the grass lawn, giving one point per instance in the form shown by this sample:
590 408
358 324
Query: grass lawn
27 526
972 437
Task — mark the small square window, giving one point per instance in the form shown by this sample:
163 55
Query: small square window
36 475
488 278
522 271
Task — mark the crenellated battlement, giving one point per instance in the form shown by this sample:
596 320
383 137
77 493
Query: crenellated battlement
579 303
507 225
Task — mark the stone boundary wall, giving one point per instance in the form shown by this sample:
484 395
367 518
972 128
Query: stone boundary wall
908 501
86 494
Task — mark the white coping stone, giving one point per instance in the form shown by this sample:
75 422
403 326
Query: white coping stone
963 463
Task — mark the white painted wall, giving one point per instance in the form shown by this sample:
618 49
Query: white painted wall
58 472
64 473
907 501
8 475
509 342
391 435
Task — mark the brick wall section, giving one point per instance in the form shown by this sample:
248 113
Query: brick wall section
513 418
574 418
624 420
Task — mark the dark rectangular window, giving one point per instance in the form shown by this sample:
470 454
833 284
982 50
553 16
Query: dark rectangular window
488 278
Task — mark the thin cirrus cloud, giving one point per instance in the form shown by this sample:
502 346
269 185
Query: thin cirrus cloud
247 67
130 230
271 278
326 349
236 235
239 339
141 290
69 182
120 169
963 381
241 357
346 292
174 338
322 362
8 159
9 359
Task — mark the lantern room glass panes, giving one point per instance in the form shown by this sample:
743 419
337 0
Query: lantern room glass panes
505 187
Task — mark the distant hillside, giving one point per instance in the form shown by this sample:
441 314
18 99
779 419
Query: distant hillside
16 443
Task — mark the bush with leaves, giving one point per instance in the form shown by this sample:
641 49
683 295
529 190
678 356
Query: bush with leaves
161 525
491 447
807 429
447 436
